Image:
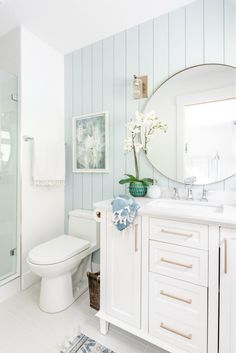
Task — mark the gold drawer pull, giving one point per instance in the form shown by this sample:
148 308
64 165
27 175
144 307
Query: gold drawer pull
175 263
187 235
136 238
167 328
188 301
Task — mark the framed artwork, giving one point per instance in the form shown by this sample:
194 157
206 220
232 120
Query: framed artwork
90 143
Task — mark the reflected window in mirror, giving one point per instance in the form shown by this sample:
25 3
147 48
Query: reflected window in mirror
210 140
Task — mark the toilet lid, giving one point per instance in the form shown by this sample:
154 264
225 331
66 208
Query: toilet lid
57 250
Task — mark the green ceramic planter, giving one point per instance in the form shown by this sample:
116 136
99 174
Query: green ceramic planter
137 189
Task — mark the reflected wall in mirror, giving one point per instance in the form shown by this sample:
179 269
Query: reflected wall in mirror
199 107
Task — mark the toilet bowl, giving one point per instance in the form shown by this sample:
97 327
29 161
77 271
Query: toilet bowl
55 261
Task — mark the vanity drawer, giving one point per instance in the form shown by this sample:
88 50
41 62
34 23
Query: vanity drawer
173 232
190 265
168 296
191 338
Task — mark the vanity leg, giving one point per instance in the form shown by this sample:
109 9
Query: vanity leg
104 326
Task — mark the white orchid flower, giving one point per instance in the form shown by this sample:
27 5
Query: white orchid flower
151 115
141 127
146 122
133 127
139 121
130 125
139 115
128 145
138 146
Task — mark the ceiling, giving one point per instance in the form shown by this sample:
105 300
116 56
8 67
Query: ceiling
71 24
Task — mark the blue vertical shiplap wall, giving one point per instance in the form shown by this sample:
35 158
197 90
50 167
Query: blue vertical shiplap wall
98 78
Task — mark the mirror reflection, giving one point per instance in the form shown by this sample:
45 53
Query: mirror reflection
199 107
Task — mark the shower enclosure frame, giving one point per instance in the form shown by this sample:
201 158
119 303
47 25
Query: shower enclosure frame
17 274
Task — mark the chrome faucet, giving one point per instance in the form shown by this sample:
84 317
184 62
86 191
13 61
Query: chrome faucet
190 194
176 194
204 194
189 182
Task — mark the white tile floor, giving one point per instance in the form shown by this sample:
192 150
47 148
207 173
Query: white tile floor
24 328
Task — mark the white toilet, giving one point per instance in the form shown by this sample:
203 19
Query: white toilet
56 260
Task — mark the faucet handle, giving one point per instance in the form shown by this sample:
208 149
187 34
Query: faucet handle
190 180
176 194
190 194
204 194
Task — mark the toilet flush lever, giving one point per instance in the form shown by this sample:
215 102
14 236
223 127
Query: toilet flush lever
13 252
98 214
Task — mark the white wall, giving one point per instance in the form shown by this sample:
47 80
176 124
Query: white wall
10 52
42 114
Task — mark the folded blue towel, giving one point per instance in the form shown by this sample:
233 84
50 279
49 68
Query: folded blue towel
125 209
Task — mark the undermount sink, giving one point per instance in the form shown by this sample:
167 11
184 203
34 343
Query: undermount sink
187 206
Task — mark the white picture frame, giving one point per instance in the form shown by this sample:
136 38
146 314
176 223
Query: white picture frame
90 149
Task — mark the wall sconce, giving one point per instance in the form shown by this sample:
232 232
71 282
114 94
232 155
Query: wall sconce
140 87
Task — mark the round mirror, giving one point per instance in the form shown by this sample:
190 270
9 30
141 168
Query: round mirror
199 107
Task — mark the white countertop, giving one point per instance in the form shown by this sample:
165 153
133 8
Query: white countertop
216 213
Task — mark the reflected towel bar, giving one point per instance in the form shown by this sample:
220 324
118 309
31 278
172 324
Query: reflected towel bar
30 138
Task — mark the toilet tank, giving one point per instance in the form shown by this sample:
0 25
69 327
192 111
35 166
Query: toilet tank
83 225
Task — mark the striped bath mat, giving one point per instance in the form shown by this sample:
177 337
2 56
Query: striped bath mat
84 344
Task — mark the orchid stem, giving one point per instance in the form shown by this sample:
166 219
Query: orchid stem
135 160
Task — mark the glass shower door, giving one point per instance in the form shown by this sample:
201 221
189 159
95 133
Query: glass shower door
8 176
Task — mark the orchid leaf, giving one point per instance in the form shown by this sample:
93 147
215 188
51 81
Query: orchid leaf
147 181
125 181
131 177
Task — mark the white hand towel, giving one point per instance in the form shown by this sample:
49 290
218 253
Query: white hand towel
48 163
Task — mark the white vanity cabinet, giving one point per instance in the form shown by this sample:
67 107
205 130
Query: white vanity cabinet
160 281
123 272
228 291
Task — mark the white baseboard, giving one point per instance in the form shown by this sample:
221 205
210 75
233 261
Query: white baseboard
28 279
9 289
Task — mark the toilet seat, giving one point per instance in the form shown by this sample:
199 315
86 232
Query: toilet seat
57 250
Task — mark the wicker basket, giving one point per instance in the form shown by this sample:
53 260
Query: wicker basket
94 289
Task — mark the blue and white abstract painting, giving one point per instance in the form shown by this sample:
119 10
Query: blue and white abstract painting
90 148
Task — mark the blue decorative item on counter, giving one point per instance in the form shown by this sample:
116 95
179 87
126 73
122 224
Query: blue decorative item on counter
125 209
